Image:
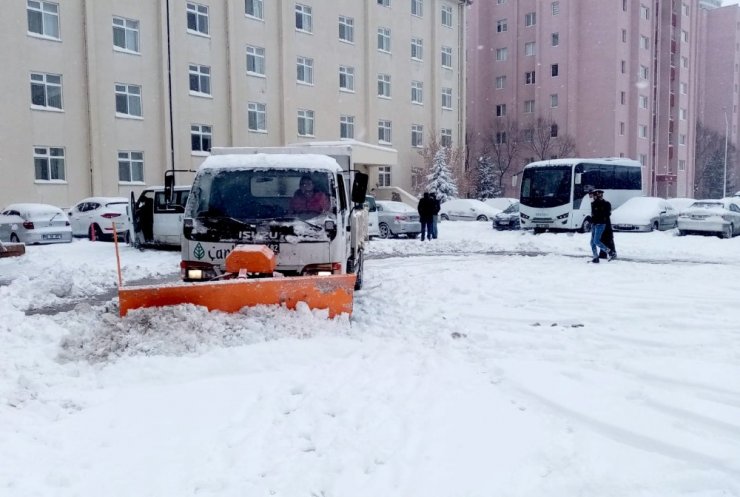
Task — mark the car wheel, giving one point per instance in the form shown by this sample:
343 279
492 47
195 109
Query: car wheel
681 232
444 217
385 231
14 238
586 226
655 226
727 233
95 233
481 218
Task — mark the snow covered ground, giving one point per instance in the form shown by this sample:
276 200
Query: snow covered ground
481 364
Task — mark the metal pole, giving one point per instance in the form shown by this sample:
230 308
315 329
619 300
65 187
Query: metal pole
724 176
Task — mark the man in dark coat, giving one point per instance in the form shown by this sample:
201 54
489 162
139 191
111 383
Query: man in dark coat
426 212
435 214
600 216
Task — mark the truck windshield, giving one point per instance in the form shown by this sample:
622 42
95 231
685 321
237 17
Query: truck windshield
261 195
548 186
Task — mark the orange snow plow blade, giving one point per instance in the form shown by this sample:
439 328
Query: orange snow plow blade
332 292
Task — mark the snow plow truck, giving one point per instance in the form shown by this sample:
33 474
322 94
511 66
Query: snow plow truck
267 226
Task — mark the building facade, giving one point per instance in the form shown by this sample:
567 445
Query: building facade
616 78
105 96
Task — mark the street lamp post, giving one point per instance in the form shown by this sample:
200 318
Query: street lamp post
724 176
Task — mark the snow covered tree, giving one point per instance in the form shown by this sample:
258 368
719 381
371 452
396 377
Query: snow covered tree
488 185
710 163
440 180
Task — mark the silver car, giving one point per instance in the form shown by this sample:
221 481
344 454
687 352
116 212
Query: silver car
397 218
34 223
720 217
644 214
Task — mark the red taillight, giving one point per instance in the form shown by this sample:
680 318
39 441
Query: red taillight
28 225
401 218
110 215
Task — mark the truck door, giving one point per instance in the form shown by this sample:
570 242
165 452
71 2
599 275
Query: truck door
168 219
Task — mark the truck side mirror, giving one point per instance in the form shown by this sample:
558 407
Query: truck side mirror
359 188
169 187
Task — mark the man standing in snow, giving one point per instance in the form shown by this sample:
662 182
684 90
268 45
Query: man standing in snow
435 214
601 211
426 212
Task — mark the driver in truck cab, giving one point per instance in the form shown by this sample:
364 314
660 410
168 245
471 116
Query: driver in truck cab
307 199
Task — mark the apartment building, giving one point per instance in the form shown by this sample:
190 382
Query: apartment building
619 78
105 96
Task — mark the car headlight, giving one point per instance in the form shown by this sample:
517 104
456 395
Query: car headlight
563 216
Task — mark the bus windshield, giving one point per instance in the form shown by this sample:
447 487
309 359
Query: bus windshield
546 186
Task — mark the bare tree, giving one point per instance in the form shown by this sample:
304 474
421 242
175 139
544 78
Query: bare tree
545 141
499 152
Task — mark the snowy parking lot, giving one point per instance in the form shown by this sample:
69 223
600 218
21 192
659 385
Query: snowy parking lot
483 363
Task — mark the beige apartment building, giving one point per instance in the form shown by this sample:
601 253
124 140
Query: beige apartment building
100 97
619 77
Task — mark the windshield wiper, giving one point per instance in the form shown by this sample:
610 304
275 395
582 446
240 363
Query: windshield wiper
290 219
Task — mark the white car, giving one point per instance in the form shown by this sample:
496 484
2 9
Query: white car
94 217
644 214
34 223
397 218
721 217
501 203
681 203
466 209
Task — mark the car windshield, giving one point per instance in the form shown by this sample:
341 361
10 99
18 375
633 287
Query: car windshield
707 205
546 186
512 209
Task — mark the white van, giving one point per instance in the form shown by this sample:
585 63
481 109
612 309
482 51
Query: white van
154 222
373 227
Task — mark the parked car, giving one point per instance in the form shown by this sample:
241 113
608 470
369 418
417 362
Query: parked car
501 203
155 223
644 214
721 217
372 217
681 203
466 209
508 219
94 217
397 218
34 223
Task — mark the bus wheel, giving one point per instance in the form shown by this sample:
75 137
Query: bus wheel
586 226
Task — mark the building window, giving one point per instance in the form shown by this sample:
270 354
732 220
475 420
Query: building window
346 78
644 12
685 36
530 19
642 131
622 97
682 114
255 60
684 88
201 136
255 8
502 53
46 90
384 3
303 18
501 137
43 18
529 78
131 167
417 48
200 79
347 29
128 100
529 106
502 26
305 122
528 137
500 82
500 2
446 137
417 92
643 101
500 110
256 117
447 57
681 165
384 176
384 85
624 36
682 139
554 100
554 132
555 39
554 70
197 18
384 131
384 39
643 159
644 42
417 8
447 98
447 16
417 135
621 128
685 62
304 70
529 48
125 34
49 163
555 6
346 126
644 72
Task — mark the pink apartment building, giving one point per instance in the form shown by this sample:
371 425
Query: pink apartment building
619 77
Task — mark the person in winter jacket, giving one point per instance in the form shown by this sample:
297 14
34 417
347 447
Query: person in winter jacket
426 214
435 214
308 200
601 211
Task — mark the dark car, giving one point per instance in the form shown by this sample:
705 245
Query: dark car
508 219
